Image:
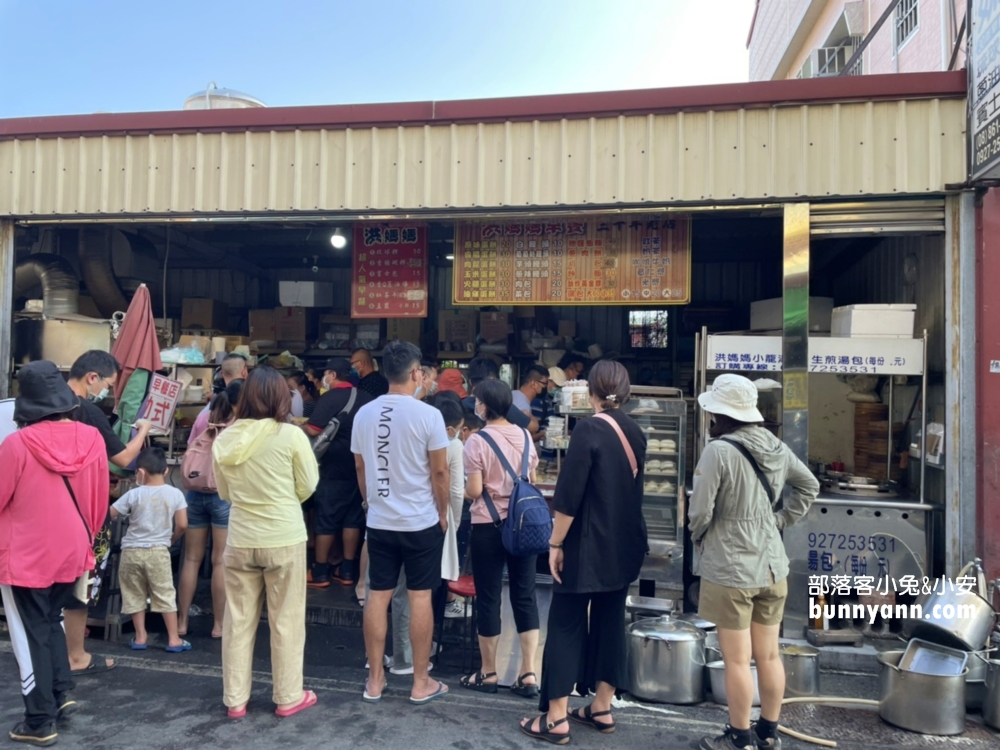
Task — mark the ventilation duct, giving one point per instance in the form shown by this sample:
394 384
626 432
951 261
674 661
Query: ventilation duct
95 263
60 286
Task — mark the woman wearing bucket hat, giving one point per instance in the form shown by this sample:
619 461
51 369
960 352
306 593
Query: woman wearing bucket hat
53 495
743 567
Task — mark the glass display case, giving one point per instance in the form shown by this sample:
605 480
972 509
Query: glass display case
661 413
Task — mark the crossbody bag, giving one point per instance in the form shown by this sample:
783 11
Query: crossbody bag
625 444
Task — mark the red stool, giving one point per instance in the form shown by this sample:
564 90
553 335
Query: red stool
466 588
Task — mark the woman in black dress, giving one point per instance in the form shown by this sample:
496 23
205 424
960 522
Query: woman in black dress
597 547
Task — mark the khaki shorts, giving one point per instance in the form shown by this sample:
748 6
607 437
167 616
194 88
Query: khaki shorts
735 609
146 573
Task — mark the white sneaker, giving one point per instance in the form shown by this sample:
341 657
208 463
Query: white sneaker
455 609
386 662
408 670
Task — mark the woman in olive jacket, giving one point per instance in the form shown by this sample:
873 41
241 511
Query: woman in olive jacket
597 547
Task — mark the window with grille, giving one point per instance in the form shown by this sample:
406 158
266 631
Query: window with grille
906 20
648 328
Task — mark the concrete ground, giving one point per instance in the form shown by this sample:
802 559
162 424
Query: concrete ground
173 702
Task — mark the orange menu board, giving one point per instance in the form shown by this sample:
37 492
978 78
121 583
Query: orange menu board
611 260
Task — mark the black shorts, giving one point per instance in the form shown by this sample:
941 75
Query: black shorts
338 506
417 552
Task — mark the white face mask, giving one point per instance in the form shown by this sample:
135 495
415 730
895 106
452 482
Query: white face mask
97 397
419 392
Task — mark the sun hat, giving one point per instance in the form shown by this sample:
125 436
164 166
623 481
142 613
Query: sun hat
734 396
558 376
42 392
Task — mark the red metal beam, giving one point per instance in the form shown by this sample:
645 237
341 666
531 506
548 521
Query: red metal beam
573 106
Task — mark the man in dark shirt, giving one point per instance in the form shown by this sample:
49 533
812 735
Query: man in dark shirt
370 380
483 368
339 504
92 378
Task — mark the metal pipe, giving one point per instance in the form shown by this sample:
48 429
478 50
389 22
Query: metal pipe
60 286
923 427
95 263
6 304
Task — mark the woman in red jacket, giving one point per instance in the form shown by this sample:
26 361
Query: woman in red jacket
53 495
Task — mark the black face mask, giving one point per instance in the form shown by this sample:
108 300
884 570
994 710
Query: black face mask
218 384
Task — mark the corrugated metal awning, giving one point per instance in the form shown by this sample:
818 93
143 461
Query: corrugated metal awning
924 216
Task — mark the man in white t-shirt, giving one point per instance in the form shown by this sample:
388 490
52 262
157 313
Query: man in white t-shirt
400 448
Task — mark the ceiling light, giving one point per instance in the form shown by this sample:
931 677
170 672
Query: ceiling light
449 257
338 240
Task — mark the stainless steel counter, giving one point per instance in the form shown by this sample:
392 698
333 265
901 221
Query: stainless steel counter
844 536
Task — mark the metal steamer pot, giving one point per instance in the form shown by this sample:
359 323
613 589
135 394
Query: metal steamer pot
953 616
801 670
991 703
666 660
975 680
924 703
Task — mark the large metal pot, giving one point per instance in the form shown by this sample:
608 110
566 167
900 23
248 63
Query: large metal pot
975 680
717 675
991 703
801 670
924 703
666 661
953 616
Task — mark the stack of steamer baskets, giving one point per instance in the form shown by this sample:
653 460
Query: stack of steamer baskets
872 444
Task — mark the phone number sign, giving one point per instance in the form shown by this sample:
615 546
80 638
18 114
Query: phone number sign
984 89
841 356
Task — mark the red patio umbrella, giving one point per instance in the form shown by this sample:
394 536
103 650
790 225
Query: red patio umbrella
136 347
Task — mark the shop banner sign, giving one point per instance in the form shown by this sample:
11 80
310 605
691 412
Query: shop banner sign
161 402
842 356
984 89
603 260
389 278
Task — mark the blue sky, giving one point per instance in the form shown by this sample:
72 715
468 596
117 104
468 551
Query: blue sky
83 56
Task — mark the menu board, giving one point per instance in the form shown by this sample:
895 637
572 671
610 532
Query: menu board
161 401
389 278
610 260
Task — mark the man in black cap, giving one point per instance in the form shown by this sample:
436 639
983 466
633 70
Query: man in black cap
339 505
53 495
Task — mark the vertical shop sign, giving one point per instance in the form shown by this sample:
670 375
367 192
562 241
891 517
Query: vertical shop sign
389 278
984 89
611 260
160 402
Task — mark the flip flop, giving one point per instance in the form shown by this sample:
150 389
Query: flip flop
185 646
309 701
441 692
94 667
137 646
368 698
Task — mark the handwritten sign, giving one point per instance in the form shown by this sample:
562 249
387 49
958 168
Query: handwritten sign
390 271
843 356
611 260
160 402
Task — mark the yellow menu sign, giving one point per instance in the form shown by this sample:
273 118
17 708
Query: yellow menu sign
611 260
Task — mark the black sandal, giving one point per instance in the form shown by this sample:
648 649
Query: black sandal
525 691
543 732
480 685
584 716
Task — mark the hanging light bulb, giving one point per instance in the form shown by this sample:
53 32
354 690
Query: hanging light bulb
338 240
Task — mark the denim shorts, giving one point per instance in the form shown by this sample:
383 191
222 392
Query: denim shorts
204 510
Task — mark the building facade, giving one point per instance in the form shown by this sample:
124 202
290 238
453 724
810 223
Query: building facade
818 38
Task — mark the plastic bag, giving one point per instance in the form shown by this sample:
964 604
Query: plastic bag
178 356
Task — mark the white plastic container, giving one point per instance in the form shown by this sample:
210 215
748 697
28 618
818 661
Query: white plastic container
874 321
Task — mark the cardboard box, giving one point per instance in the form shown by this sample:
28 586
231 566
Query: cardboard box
305 293
494 327
295 324
206 314
262 326
403 329
567 328
201 343
769 314
457 331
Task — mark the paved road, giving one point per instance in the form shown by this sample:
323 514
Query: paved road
173 702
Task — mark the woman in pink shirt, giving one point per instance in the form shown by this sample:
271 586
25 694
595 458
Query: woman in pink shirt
485 471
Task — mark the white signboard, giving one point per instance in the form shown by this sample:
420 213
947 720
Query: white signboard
160 402
984 89
843 356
